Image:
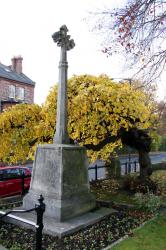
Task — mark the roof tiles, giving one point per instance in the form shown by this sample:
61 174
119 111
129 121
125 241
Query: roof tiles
8 73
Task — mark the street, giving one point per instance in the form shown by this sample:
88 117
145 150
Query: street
155 158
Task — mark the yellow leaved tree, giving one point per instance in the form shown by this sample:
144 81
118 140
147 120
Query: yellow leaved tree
18 132
98 108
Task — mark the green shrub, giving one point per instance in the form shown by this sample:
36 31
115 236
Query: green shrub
147 202
136 185
159 177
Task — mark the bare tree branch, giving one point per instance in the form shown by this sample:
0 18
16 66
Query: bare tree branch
139 30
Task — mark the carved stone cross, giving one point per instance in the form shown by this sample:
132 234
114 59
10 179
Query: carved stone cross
63 40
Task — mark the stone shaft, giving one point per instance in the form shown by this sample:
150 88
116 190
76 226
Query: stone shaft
63 40
61 135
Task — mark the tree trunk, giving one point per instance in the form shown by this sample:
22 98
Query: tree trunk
114 169
145 164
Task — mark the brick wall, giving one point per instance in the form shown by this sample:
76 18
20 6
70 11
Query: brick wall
4 90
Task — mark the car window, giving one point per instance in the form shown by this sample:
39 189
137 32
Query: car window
22 171
11 173
25 171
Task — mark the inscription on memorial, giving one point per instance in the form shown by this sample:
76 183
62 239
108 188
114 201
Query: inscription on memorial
47 176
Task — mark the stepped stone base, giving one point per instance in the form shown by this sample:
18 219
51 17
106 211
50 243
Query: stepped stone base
60 229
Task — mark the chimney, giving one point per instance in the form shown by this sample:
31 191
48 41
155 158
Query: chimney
17 64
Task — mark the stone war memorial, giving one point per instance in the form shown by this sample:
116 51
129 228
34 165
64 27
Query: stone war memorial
60 170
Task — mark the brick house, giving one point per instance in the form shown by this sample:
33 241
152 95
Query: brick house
15 87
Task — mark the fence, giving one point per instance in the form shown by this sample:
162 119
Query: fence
130 167
126 168
39 209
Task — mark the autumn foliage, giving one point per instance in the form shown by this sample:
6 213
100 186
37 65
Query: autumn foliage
18 132
98 108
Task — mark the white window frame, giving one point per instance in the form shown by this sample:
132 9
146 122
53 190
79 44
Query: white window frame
20 93
12 91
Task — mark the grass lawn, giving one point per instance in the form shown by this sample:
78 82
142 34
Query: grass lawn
150 237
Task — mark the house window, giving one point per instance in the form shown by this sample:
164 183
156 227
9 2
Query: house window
12 91
20 93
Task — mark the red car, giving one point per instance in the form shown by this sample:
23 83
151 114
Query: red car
11 182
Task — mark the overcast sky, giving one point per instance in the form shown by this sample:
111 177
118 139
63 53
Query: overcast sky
26 30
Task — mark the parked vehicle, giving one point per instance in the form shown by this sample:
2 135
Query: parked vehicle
11 182
29 166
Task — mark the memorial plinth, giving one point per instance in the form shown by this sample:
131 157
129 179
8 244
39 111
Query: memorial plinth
60 175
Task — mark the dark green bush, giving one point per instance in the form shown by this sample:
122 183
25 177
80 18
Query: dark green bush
135 184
